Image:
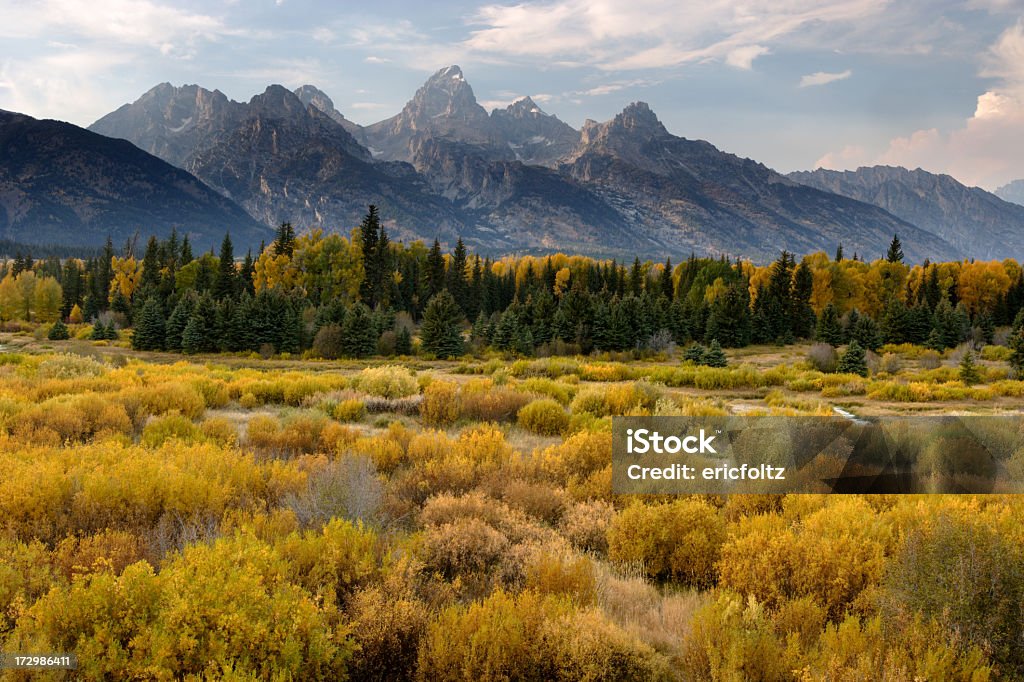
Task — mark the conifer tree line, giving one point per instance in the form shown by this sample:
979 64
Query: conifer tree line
366 295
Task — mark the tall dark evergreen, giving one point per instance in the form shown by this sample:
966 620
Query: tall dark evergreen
359 336
435 271
284 241
895 253
225 284
853 360
441 333
829 330
150 326
456 278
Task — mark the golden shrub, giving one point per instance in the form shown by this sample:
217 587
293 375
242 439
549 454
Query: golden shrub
440 406
388 381
545 417
168 426
578 457
681 539
491 405
219 430
351 410
585 525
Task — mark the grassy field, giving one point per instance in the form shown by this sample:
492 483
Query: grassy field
237 517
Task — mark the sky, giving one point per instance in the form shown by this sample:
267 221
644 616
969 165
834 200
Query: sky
795 84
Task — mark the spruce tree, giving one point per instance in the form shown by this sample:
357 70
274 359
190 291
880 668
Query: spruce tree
440 332
695 353
456 279
150 329
895 253
829 330
894 322
866 333
192 338
1016 344
359 336
225 284
99 331
714 357
853 360
987 328
178 320
403 341
666 288
59 331
284 242
839 253
969 373
435 271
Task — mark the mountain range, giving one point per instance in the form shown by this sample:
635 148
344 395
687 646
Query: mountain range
976 222
60 184
519 180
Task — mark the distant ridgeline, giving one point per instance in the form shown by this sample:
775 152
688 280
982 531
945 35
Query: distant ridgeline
367 295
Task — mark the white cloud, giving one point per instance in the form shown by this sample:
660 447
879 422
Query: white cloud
323 35
368 106
743 57
988 149
823 78
656 33
373 59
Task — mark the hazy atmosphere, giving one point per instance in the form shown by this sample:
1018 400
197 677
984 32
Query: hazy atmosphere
795 84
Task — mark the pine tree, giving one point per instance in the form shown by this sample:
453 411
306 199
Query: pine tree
894 322
440 332
853 360
150 329
193 338
839 253
1016 344
457 283
804 320
99 331
178 320
729 321
969 373
59 331
695 353
895 253
359 336
186 252
666 287
403 341
714 357
435 271
225 284
829 330
284 242
987 328
866 333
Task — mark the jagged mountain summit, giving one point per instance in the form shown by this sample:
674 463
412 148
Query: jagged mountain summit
687 192
514 179
62 184
1012 192
978 223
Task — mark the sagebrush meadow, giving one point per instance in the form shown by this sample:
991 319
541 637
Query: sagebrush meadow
350 474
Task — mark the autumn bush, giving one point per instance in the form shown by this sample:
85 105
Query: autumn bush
681 540
544 416
440 406
388 381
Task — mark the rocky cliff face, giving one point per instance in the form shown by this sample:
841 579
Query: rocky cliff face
286 161
172 122
977 222
311 95
62 184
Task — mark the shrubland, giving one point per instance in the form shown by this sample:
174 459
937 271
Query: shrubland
200 521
